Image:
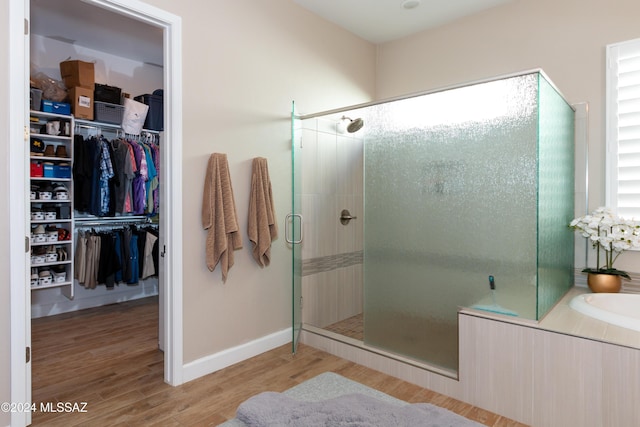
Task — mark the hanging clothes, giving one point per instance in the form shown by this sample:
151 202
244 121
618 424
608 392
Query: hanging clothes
148 265
116 177
152 179
106 174
82 174
117 256
124 174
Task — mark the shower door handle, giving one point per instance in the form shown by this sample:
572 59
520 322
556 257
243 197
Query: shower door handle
290 219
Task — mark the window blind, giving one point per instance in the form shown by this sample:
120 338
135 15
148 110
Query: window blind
623 128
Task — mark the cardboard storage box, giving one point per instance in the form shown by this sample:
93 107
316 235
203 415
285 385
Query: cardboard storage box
55 107
78 73
81 100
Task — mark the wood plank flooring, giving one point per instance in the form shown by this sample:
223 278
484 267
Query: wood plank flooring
108 357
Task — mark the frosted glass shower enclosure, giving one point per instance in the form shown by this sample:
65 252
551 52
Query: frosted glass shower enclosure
458 185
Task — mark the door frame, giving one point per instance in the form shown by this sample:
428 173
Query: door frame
171 170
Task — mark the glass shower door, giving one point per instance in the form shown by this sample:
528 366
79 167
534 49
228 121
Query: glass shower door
294 225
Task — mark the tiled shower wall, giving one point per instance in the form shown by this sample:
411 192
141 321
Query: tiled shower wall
332 165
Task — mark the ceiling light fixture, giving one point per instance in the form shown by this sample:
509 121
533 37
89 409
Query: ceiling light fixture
410 4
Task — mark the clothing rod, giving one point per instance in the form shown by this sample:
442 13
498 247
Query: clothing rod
115 224
91 222
99 125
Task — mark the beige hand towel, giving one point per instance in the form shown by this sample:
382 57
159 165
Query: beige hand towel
219 216
262 228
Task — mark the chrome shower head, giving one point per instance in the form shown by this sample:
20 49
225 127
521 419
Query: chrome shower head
355 125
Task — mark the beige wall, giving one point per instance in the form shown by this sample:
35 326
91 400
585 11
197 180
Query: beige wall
565 38
239 81
243 64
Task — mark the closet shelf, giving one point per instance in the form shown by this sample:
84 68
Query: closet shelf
46 178
37 201
39 121
44 114
51 137
49 264
57 242
91 124
56 159
52 285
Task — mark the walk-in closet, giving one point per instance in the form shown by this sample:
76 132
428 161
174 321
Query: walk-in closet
107 245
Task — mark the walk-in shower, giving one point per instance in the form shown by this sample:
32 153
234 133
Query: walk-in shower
449 192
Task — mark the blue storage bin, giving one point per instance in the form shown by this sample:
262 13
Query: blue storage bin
56 107
62 171
49 170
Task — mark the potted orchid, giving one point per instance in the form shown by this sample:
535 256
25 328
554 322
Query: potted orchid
610 235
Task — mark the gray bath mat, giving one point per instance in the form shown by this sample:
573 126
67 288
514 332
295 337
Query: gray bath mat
322 395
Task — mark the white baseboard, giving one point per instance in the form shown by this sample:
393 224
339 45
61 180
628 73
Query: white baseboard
228 357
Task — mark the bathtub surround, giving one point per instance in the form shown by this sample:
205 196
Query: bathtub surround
566 370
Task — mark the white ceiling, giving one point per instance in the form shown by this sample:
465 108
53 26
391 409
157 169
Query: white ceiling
380 21
77 22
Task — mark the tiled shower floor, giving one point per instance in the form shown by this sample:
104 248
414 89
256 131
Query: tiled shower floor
352 327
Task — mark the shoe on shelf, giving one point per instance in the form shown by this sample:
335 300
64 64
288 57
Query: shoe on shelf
34 277
37 214
45 277
58 269
63 234
61 151
39 229
33 195
38 250
49 151
60 192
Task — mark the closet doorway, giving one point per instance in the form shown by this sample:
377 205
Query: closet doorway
170 337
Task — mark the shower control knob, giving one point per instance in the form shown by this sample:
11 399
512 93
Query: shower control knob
345 217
